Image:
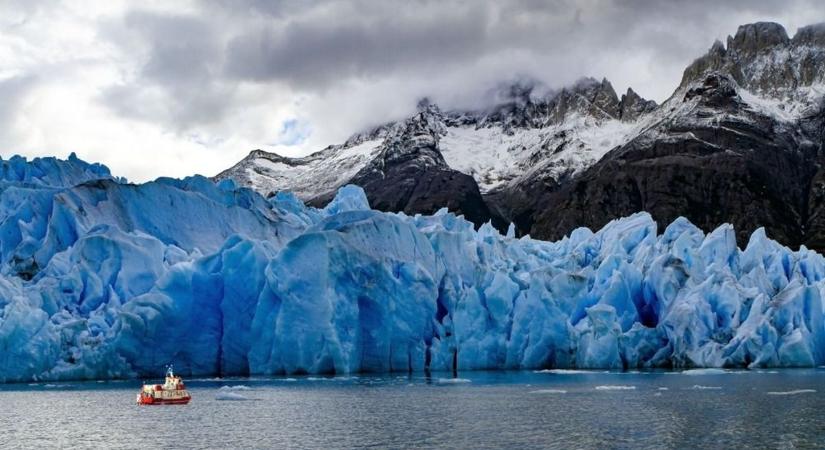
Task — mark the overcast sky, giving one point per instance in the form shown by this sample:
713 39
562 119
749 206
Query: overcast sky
175 88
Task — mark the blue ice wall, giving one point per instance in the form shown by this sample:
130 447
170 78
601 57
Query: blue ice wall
100 278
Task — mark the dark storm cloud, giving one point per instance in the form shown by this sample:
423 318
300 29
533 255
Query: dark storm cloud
313 53
270 8
358 39
178 78
190 65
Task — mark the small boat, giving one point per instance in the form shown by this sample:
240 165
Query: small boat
171 392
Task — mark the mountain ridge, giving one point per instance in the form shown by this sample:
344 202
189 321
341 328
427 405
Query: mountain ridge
532 155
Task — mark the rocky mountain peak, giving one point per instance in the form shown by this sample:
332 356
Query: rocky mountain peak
417 137
753 38
718 48
811 35
587 96
426 106
632 106
717 90
518 104
526 103
603 98
764 61
714 59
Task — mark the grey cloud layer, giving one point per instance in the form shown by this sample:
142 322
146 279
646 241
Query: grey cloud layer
314 53
179 76
195 60
224 70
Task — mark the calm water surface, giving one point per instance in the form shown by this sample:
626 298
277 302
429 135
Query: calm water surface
704 409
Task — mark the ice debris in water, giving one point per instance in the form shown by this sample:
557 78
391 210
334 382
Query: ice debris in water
794 392
568 371
104 279
549 391
453 380
231 396
705 372
238 387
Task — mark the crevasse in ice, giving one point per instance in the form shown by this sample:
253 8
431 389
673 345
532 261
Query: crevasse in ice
100 278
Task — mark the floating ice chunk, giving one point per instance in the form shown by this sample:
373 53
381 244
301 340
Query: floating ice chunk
452 380
794 392
549 391
568 371
230 396
704 372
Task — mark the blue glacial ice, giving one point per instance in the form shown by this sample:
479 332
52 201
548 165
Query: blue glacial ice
100 278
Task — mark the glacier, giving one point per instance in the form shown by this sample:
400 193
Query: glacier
100 278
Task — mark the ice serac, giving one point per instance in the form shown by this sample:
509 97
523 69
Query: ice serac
105 279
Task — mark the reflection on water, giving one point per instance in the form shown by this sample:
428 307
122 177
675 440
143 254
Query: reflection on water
551 409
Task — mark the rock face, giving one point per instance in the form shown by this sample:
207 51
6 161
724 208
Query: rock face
740 141
718 152
632 106
409 174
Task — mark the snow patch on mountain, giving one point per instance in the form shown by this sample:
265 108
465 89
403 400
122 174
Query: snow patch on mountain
495 158
307 177
806 101
561 132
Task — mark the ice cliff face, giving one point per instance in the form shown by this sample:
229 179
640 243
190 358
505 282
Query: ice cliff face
106 279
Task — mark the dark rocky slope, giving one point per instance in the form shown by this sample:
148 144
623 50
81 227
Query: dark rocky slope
717 155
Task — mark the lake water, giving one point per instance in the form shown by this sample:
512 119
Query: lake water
696 409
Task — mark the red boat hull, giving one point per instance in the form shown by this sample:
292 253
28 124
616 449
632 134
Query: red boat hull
161 401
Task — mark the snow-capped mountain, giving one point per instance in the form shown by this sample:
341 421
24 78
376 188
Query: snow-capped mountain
780 76
740 141
524 136
549 161
564 131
